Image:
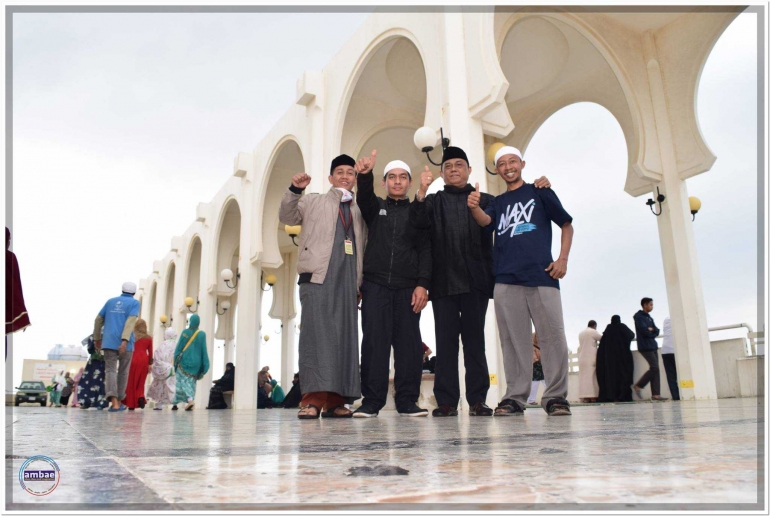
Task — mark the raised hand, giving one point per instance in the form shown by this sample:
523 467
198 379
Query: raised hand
542 182
426 179
474 198
366 165
300 181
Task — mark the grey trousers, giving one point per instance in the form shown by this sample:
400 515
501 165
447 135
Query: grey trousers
515 308
116 375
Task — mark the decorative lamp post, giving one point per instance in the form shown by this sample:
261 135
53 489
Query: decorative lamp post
270 279
225 307
188 301
491 151
227 276
293 232
695 206
425 140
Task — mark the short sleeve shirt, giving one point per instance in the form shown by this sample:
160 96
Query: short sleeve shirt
115 313
521 220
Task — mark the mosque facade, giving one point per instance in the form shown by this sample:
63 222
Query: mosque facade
483 77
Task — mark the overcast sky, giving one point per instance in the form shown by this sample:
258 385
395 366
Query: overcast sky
124 122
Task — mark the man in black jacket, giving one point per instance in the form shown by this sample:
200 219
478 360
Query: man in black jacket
397 271
462 282
646 331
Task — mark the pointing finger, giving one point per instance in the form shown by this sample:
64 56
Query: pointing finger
374 154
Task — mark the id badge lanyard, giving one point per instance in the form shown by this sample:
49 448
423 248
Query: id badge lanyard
348 241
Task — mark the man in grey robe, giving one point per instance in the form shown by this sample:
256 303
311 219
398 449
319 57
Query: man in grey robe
330 267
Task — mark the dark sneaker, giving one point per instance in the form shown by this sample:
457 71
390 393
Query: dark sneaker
659 398
414 411
509 408
480 409
444 411
365 411
558 407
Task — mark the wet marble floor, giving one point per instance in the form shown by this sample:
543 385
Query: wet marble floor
676 455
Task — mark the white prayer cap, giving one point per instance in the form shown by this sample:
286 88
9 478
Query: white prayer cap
507 150
396 164
129 287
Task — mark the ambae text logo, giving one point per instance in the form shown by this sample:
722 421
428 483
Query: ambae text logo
39 475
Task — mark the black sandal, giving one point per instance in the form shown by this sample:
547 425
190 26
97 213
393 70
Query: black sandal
306 416
332 412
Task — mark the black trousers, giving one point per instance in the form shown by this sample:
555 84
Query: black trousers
669 364
456 316
387 319
653 373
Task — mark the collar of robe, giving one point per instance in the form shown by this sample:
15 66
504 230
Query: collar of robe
458 190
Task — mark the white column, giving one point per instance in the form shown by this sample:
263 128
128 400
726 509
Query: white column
287 320
160 308
247 338
207 314
695 368
467 133
229 350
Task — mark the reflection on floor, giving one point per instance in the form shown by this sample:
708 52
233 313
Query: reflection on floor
612 456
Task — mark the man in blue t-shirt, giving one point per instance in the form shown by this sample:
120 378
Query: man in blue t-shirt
527 284
117 318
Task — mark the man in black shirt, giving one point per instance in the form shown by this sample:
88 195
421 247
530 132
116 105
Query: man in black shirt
397 270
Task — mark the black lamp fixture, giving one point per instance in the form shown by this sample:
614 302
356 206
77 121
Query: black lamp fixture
660 198
425 140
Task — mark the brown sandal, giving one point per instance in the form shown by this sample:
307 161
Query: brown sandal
332 412
300 415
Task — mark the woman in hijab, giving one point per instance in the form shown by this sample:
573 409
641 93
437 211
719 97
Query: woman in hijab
224 384
66 391
78 376
140 364
614 362
56 387
191 360
163 388
277 396
91 386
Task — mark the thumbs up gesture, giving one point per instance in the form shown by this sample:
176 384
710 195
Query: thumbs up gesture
474 198
365 165
426 179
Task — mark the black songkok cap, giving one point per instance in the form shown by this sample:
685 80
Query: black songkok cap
342 159
454 153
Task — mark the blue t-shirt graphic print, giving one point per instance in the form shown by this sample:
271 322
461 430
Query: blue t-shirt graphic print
521 220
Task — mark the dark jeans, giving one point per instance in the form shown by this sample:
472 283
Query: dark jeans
387 319
669 363
652 376
455 316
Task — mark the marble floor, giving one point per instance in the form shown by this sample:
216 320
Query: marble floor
645 456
